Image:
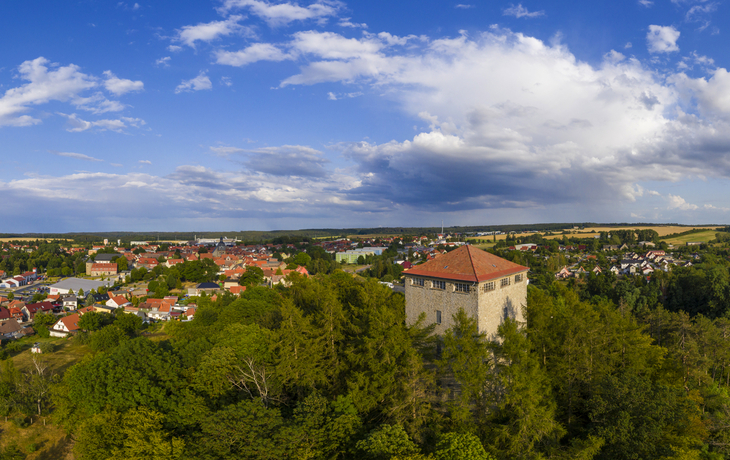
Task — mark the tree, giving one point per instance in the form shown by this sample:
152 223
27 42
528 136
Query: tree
302 259
386 442
466 358
460 446
253 276
122 264
90 321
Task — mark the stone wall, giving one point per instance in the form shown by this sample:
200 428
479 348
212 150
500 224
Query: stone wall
490 308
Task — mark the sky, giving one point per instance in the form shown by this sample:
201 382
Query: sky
262 115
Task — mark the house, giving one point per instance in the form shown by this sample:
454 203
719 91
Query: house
70 302
10 329
66 325
117 301
488 288
563 274
33 309
102 269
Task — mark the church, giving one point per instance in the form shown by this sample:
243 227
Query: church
487 287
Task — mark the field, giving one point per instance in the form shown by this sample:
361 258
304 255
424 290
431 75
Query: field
18 238
700 236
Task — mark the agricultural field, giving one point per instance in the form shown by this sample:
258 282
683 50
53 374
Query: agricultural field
18 238
662 230
684 239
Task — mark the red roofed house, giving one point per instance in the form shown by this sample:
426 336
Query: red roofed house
487 287
103 269
66 325
32 309
117 301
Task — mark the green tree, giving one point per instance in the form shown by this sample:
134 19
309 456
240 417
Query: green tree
386 442
466 359
460 446
253 276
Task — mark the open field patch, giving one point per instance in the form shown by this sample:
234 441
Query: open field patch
692 237
5 240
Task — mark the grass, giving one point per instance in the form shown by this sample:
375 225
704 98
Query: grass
662 230
38 441
66 353
700 236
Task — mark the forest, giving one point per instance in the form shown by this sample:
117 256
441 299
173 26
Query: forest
327 369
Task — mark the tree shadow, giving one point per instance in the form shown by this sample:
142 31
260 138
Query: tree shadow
57 451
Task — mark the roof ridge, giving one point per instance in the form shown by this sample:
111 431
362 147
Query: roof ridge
471 261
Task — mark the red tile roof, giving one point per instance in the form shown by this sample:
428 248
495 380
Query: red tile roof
467 264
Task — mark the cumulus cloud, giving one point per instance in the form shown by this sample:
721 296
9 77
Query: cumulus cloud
520 11
662 39
163 61
120 86
78 156
210 31
63 83
254 53
48 82
198 83
677 202
281 14
545 119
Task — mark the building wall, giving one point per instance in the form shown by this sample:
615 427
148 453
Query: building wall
489 308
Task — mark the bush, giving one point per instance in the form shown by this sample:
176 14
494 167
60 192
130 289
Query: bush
47 347
14 347
20 421
83 338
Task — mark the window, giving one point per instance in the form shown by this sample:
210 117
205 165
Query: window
489 286
461 287
439 284
418 282
438 316
504 282
518 278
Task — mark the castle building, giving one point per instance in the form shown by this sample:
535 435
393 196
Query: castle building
487 287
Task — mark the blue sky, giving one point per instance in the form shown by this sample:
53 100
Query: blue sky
248 114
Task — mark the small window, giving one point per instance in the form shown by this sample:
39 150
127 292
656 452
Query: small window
461 287
439 284
438 316
418 282
518 278
489 286
504 282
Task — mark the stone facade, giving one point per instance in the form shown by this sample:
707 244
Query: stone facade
441 287
489 306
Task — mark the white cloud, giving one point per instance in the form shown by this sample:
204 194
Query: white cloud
163 61
77 125
345 22
646 3
210 31
226 81
146 162
464 6
662 39
520 11
62 83
281 14
174 48
120 86
254 53
677 202
333 97
78 156
198 83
